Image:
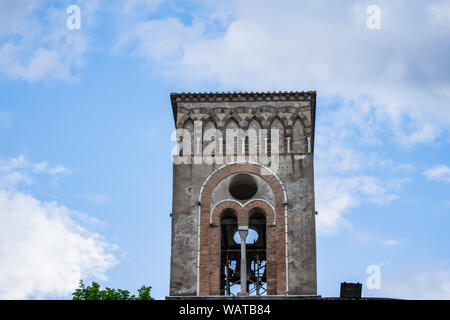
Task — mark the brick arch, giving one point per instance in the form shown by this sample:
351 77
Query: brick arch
226 205
209 236
249 167
258 204
242 211
273 242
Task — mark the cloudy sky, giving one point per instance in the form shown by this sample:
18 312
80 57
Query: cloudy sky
85 126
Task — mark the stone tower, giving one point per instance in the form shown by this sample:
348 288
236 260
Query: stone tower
243 217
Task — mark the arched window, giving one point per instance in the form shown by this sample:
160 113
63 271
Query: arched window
231 137
298 136
277 125
254 140
256 254
189 127
209 136
229 254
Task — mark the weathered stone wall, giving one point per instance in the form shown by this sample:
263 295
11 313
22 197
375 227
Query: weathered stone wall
298 178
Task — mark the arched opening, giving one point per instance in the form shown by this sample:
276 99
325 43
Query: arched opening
277 125
256 254
210 138
229 254
231 141
254 137
188 139
230 270
298 136
210 274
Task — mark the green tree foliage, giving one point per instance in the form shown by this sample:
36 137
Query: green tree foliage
94 292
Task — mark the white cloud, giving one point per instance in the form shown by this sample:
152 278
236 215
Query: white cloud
320 45
16 172
331 204
346 174
417 285
12 174
14 16
44 251
439 173
440 13
45 248
130 6
45 167
336 196
159 40
35 43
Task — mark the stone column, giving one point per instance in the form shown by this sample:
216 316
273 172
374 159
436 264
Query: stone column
243 232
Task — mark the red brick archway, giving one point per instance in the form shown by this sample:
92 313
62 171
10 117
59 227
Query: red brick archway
209 269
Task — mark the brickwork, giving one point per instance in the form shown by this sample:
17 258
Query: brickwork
210 232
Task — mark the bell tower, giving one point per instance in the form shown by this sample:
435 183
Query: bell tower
243 217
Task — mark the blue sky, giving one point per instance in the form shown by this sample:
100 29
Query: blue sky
85 126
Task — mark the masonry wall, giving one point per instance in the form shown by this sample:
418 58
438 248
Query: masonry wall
298 178
296 172
188 179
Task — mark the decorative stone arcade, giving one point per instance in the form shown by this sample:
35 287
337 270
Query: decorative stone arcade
243 219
